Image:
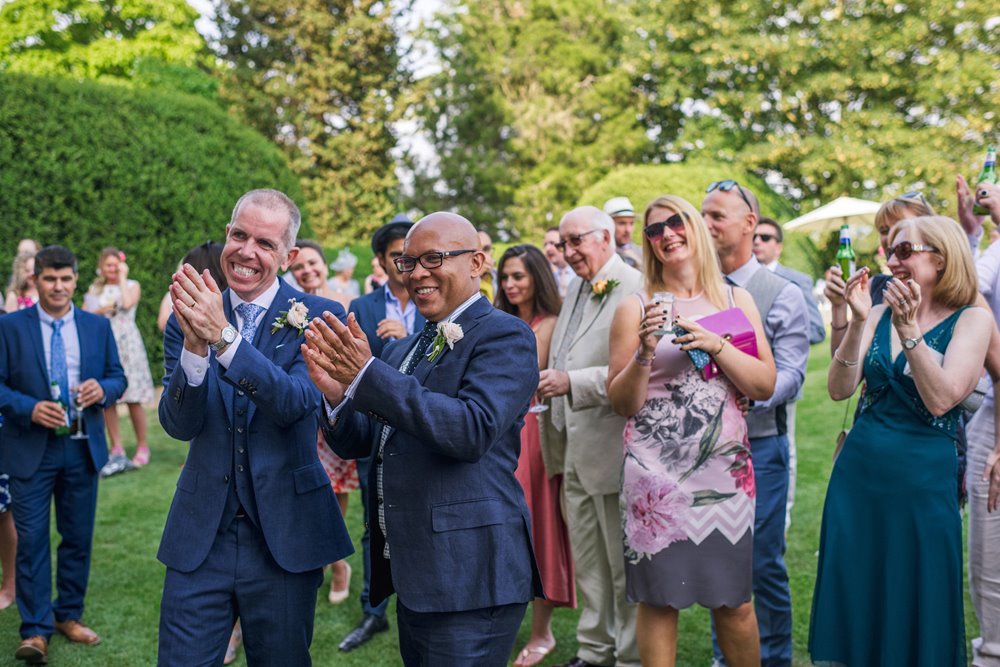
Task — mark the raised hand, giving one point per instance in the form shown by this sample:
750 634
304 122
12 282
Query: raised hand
903 298
344 347
857 296
834 290
198 300
697 337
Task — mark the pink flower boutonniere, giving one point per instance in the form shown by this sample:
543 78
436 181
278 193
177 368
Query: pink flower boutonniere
602 288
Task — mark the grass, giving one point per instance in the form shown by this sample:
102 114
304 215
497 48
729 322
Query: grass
126 579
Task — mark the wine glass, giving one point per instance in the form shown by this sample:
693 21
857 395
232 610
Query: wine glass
538 406
78 433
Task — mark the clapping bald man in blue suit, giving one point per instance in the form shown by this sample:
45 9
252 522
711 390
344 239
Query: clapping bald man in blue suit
254 519
441 413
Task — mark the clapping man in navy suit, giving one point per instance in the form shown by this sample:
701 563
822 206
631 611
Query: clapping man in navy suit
385 315
254 519
441 413
49 354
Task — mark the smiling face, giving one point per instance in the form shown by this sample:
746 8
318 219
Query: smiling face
672 248
516 283
309 271
595 247
255 250
109 269
438 292
923 267
731 225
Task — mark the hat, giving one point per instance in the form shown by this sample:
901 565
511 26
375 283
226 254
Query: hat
380 239
345 260
619 206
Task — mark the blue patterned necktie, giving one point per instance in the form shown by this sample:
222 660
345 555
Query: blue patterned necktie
249 313
59 371
427 335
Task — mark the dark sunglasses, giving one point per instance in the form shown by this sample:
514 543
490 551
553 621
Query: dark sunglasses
766 238
904 249
654 230
573 240
429 260
728 185
916 195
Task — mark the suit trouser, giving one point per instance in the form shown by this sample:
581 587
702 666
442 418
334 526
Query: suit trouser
66 472
606 630
239 578
364 466
472 638
984 541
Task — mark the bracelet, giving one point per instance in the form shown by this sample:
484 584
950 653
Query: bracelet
834 327
644 361
722 345
843 362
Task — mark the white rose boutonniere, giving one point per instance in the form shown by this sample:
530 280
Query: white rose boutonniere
297 316
448 334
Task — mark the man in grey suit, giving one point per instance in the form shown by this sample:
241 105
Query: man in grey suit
582 436
768 242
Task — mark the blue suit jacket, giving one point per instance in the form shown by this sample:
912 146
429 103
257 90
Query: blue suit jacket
369 311
299 515
457 521
24 380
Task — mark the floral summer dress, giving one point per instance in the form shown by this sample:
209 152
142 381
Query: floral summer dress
687 493
131 349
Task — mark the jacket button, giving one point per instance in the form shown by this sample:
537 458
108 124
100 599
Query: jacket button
240 468
240 412
241 450
240 393
226 479
239 429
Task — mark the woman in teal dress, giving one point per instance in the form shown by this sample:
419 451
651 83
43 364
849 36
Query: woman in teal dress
889 581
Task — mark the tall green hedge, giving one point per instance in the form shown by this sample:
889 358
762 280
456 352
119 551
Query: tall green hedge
87 165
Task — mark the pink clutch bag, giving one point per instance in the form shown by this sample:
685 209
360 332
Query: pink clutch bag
736 329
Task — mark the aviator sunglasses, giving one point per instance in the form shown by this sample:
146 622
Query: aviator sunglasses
905 249
728 185
654 230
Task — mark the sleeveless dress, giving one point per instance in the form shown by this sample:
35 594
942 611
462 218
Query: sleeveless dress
687 496
131 350
549 534
889 580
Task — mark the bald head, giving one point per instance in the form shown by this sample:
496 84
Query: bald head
440 290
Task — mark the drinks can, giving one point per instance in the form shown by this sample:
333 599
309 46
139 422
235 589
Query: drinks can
665 302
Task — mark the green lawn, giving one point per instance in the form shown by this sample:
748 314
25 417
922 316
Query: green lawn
126 579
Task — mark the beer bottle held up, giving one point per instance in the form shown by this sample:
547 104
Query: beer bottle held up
845 253
987 175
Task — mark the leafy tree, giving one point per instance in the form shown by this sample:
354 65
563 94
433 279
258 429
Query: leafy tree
866 97
321 78
533 104
150 43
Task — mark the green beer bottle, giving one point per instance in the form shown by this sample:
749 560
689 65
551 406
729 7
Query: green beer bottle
987 175
56 393
845 253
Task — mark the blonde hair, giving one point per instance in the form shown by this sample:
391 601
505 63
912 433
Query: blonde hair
18 278
99 281
699 242
900 208
957 283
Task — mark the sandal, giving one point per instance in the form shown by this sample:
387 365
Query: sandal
533 655
335 596
235 641
141 457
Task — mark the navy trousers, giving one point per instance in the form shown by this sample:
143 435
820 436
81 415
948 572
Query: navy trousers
474 638
772 597
66 474
239 578
364 466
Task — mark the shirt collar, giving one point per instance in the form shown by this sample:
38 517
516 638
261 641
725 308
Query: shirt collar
461 309
603 272
264 300
390 297
741 276
48 319
772 266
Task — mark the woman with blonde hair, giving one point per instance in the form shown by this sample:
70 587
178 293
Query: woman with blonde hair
892 491
21 292
687 490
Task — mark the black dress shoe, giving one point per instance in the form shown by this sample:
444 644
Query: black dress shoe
577 661
369 626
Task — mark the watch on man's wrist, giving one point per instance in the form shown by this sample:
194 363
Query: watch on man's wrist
227 337
910 343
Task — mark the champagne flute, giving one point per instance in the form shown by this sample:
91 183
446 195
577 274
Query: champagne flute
78 433
538 406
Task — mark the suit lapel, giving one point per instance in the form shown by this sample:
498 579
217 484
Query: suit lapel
85 340
226 390
35 332
593 308
380 312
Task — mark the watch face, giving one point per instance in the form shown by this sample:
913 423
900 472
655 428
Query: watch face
229 334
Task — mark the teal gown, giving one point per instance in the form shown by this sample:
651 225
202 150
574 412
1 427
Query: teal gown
889 580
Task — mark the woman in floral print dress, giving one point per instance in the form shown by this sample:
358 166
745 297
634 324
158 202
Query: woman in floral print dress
687 483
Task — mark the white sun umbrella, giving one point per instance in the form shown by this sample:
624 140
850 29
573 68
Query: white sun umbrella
859 214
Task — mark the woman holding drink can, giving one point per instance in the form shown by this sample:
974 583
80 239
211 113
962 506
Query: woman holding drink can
687 485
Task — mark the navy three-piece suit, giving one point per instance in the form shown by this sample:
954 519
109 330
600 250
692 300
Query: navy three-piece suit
456 519
42 465
252 492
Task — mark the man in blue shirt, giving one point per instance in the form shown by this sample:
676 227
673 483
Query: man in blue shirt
731 212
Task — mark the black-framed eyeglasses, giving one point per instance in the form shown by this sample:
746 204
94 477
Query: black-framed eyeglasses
905 249
654 231
573 240
766 238
916 195
429 260
728 185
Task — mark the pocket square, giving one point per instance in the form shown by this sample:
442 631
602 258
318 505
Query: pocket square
279 346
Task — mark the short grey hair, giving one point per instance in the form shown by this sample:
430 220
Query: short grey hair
598 219
273 200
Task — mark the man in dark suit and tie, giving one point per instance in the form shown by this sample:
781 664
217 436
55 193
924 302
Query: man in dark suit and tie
51 354
441 413
254 519
385 315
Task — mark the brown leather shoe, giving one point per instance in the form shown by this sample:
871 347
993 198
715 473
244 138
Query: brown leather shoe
77 632
33 650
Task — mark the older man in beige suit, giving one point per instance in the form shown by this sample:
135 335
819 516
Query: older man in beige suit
582 436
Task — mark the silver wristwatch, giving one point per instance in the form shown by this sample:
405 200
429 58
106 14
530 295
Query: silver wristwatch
227 337
910 343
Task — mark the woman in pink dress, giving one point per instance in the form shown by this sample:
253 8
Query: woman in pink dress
310 271
21 292
688 491
529 291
